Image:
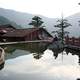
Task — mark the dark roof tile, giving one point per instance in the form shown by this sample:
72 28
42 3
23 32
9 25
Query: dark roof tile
20 32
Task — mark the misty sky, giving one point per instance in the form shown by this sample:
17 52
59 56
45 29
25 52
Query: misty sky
49 8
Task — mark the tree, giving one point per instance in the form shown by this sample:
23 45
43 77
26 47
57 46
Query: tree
36 21
61 24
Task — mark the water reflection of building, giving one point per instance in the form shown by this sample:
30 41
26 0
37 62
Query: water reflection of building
37 48
56 47
73 52
58 50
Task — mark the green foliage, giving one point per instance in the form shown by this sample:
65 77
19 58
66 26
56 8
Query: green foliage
36 21
61 24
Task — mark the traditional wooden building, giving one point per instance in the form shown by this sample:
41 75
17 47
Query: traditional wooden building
26 35
72 41
7 27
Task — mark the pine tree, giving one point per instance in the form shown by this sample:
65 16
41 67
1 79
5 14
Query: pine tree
61 24
36 21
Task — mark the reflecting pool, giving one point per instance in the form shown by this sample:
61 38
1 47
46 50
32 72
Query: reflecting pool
38 62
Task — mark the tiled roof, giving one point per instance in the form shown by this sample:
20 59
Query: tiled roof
3 31
6 26
19 32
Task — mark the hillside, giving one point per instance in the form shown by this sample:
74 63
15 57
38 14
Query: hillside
23 19
75 28
4 21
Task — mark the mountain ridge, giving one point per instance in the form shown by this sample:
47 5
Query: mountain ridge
23 19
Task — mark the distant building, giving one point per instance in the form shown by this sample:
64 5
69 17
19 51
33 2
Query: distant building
11 34
7 27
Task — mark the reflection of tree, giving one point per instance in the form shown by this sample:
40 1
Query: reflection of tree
56 47
67 51
8 49
56 52
40 49
37 55
74 52
37 48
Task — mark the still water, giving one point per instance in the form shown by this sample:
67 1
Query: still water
39 62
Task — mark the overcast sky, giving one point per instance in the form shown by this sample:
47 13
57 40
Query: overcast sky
49 8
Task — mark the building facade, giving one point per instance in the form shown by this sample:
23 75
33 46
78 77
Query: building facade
11 34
